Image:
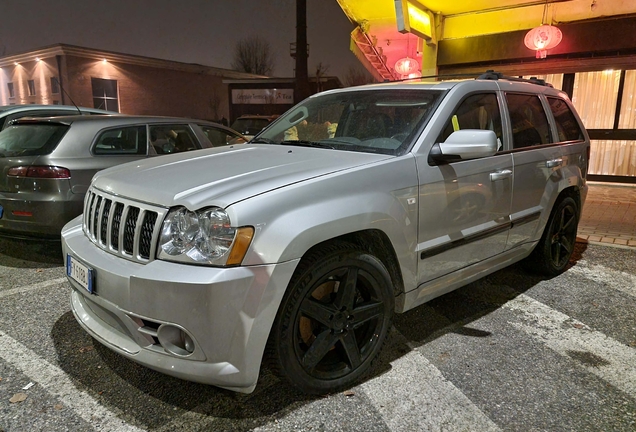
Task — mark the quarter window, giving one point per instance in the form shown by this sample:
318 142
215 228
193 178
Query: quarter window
567 126
528 120
105 94
129 140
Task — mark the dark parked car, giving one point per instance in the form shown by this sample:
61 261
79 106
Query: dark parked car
46 164
13 112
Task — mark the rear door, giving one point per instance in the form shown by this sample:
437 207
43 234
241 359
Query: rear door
539 158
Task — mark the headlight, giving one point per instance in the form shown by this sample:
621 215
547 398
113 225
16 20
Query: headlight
205 236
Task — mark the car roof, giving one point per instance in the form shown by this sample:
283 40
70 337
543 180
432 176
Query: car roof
6 109
117 120
512 83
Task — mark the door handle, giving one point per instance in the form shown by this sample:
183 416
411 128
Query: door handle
554 163
500 175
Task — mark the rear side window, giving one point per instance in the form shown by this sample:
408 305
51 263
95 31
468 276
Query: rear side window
30 139
529 123
221 137
567 126
129 140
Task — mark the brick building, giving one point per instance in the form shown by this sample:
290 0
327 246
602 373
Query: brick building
129 84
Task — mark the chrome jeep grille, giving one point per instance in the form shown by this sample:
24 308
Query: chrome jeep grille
121 226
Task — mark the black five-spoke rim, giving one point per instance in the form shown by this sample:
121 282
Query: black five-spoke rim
338 323
563 236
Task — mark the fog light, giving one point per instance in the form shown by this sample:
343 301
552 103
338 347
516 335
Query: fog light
175 340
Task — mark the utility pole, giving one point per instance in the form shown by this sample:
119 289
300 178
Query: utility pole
302 90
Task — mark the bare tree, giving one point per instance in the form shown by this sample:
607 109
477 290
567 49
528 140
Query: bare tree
321 71
253 55
357 76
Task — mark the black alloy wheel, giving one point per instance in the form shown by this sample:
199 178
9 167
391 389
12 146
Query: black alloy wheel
553 253
333 320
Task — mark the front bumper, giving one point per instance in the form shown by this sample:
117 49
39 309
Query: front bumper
227 312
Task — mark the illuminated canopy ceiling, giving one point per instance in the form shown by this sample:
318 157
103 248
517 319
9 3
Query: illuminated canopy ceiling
463 18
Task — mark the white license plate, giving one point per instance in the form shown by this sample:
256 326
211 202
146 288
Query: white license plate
80 273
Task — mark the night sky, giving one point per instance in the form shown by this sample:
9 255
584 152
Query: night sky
190 31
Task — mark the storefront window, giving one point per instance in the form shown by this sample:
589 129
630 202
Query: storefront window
594 96
627 118
555 79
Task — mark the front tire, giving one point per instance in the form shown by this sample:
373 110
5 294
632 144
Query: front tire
333 320
553 252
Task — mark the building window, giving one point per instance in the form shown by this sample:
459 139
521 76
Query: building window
31 85
11 90
594 96
56 102
105 94
55 85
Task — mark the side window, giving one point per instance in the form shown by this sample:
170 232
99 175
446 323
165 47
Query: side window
171 138
221 137
528 120
478 111
567 126
129 140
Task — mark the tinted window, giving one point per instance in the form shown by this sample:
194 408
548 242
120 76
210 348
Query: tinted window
479 111
30 140
172 138
528 120
221 137
249 126
567 126
129 140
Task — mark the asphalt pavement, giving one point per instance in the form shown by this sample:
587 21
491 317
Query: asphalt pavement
511 352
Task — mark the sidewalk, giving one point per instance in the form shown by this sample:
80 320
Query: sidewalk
609 215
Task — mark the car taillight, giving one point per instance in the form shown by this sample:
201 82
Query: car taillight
39 172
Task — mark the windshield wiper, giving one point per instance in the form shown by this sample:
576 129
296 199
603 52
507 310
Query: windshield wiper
305 143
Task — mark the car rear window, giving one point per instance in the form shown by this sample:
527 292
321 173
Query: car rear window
30 139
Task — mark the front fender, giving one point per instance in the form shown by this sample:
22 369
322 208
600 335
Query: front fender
290 220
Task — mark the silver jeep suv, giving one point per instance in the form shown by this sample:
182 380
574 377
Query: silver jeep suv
299 246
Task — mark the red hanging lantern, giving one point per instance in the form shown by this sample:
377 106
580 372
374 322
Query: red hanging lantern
406 65
543 38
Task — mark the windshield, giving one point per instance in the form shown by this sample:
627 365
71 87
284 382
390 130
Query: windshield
375 121
30 139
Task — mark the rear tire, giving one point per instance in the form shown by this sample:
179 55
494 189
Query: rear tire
553 252
333 320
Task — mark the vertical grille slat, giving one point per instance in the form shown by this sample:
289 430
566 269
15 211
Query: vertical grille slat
121 226
129 229
145 238
114 235
104 222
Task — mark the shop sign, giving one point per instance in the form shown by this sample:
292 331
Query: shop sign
263 96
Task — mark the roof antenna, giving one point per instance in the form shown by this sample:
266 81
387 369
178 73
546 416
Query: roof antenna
68 95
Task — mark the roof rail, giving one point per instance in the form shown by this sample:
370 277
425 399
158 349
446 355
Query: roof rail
492 75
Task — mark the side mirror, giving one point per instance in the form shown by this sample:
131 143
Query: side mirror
465 144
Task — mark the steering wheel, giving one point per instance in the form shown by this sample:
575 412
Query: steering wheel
400 136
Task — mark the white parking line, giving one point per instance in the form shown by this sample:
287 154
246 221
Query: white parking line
597 353
415 396
56 382
32 287
618 280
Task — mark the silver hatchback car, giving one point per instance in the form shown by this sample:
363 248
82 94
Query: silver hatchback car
46 164
299 246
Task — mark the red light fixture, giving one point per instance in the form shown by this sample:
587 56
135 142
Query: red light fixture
543 38
406 66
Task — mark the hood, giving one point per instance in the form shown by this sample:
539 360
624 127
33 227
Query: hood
225 175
